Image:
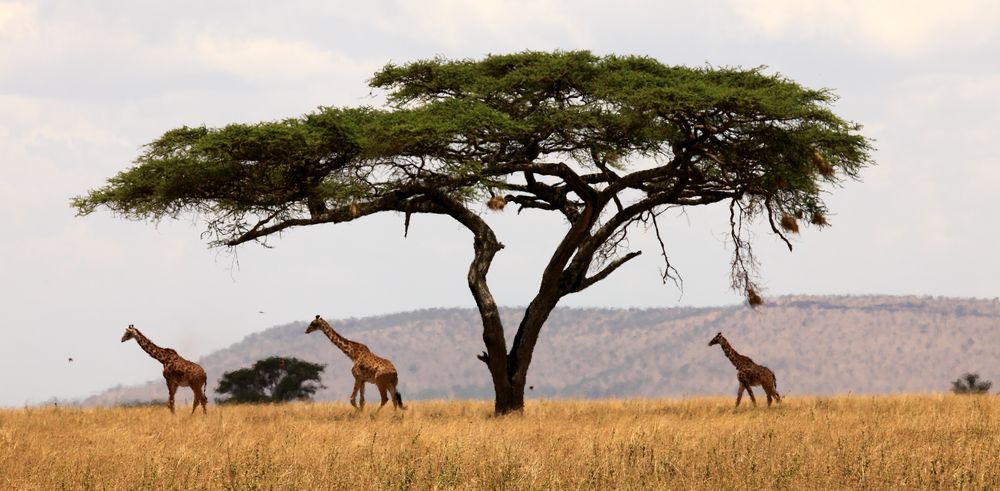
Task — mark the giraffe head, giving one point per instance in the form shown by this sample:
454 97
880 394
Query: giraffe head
718 337
129 333
315 324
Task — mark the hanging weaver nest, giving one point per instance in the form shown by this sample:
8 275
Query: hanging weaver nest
789 223
822 165
819 219
355 211
496 203
753 298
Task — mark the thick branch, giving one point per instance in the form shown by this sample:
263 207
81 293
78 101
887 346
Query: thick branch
549 292
601 163
404 202
610 268
486 246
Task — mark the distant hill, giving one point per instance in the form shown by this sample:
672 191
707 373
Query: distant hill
814 344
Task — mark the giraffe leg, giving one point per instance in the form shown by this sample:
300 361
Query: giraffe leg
361 396
752 398
772 392
359 386
172 389
199 397
204 398
397 399
383 392
739 394
772 388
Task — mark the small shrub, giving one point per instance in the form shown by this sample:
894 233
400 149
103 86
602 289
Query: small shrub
969 383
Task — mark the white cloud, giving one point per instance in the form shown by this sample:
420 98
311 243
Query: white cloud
47 148
270 59
936 168
496 24
17 21
895 27
86 54
964 108
39 121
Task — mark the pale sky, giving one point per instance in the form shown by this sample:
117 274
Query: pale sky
83 85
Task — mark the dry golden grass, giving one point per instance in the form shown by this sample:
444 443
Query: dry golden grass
937 441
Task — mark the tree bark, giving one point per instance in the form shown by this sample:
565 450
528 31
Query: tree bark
509 398
495 355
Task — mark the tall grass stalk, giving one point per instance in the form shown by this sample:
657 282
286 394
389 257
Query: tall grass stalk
931 441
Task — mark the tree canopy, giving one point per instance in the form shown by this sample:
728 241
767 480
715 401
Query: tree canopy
608 142
273 379
970 383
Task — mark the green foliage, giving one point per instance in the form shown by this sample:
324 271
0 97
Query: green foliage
969 383
273 379
738 128
553 131
239 167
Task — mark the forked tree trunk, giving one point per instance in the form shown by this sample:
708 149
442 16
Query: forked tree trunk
509 371
510 376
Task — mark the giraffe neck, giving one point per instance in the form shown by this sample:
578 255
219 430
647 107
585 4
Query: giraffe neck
160 354
735 358
345 345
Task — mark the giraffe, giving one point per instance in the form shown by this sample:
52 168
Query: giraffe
176 370
748 373
368 367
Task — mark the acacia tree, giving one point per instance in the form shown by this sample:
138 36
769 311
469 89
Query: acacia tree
273 379
609 143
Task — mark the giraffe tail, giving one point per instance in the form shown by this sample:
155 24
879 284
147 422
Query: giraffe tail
399 398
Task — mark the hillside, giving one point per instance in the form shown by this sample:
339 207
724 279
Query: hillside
815 345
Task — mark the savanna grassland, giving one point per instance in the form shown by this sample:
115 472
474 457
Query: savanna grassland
931 441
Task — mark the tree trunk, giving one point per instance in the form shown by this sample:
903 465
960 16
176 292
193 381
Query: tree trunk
509 371
509 398
509 401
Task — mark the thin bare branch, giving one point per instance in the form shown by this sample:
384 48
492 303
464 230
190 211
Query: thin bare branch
678 281
774 227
